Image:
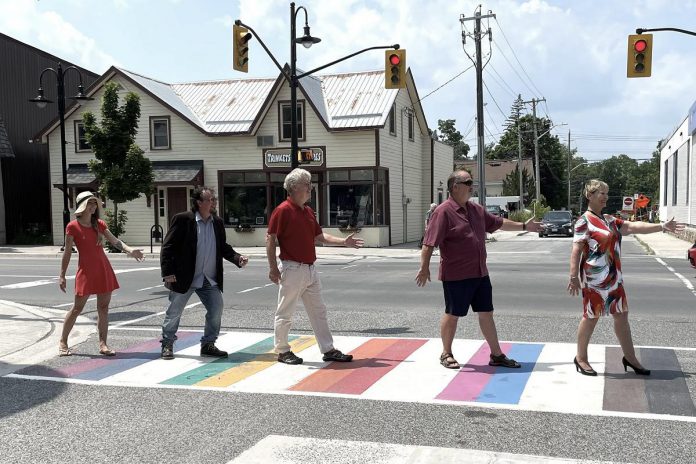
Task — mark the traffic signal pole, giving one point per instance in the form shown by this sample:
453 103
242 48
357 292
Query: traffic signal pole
479 102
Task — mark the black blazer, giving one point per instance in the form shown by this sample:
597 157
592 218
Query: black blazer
178 254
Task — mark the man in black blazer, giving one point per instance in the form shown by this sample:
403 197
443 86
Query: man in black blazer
191 261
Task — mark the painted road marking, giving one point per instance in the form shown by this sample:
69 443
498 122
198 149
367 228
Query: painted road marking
406 369
37 283
286 450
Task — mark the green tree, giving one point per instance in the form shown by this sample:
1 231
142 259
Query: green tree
511 185
123 173
452 137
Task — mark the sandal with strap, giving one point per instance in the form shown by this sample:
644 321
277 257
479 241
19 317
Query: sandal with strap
448 361
64 351
503 361
336 355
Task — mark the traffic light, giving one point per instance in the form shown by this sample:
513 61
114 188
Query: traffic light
240 52
639 59
305 156
395 69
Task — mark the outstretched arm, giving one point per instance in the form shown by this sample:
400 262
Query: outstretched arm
640 227
349 241
136 253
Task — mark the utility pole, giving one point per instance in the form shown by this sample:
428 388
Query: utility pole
534 102
479 98
569 155
520 204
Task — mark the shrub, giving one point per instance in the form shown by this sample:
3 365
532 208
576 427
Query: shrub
116 226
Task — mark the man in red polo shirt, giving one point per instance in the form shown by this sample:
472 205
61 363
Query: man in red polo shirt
459 228
295 228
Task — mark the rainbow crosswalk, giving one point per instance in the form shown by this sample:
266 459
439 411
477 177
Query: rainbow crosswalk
405 369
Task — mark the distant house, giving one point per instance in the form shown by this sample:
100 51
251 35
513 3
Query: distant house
375 167
26 175
496 171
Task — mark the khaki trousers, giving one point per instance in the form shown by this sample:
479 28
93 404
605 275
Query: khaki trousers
300 281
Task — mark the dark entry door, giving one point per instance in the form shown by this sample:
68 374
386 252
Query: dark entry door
177 202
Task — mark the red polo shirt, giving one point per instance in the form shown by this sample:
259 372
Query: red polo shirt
461 236
295 228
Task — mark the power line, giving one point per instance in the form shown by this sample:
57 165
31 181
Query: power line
515 55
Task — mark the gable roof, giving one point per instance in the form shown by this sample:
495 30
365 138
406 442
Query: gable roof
348 101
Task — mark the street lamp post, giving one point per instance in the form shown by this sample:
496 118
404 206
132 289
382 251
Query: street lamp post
41 102
307 41
293 79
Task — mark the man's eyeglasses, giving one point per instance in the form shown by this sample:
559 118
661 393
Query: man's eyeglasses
468 182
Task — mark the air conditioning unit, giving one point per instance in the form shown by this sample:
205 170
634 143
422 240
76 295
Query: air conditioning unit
264 140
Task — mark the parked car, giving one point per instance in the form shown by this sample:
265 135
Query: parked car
557 222
496 210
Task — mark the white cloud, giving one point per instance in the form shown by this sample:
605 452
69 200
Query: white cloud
48 31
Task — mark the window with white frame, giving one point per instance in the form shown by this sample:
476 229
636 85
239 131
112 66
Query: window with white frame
81 144
665 182
675 163
357 197
392 120
286 123
160 133
409 117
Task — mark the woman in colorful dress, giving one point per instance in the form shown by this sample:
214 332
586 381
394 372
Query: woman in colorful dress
595 267
95 275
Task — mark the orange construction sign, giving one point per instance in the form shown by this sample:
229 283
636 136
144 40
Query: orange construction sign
642 201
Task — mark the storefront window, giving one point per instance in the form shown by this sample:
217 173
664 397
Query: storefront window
245 205
355 199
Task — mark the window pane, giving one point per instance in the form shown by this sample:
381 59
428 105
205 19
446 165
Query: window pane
255 177
350 205
233 178
338 175
82 142
245 205
381 175
277 177
160 133
379 205
362 174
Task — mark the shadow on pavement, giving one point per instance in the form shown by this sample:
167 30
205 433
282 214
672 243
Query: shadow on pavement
21 394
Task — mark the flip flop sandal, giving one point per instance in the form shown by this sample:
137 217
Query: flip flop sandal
503 361
448 361
64 352
107 352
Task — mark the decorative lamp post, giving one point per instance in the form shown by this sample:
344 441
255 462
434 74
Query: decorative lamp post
41 102
307 41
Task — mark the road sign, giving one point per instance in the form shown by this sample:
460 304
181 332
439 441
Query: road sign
628 203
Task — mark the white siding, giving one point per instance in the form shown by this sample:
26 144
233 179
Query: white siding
682 206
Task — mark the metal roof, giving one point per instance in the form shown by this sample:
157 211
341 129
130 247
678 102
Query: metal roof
164 172
350 100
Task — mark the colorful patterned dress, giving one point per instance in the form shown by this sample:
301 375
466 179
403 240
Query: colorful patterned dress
94 272
600 266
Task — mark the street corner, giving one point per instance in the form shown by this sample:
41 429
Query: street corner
29 335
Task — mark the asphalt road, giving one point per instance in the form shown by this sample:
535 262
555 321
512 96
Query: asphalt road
43 421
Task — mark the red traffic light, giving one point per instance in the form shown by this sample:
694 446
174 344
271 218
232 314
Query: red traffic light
394 59
640 45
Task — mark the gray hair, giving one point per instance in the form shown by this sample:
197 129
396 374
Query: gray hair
433 205
296 176
593 185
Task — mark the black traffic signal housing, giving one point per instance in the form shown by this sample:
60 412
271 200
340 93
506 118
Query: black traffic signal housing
305 156
240 52
395 69
639 55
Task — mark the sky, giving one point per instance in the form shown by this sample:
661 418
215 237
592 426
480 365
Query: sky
570 53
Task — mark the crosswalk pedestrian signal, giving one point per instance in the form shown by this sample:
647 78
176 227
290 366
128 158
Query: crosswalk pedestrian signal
395 69
305 156
240 52
639 57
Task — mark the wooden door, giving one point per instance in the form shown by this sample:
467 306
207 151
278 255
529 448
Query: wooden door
177 202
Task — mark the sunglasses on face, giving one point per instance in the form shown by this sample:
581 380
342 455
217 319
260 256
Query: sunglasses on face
468 182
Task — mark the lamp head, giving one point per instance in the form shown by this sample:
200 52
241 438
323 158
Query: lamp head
81 94
40 100
307 40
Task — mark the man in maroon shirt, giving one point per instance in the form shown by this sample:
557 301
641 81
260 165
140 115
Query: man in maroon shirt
295 228
459 228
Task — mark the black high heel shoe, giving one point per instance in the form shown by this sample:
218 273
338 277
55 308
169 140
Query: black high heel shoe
637 370
591 372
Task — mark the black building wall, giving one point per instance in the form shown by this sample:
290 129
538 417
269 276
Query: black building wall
26 178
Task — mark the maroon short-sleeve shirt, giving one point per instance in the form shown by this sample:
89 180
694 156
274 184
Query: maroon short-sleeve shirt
461 235
295 228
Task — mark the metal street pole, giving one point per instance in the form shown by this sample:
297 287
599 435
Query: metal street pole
520 206
41 102
569 155
293 89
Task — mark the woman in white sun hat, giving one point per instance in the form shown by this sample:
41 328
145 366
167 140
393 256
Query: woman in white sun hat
94 276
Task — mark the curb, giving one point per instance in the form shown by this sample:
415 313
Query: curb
648 250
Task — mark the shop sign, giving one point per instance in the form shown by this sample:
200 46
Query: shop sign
280 157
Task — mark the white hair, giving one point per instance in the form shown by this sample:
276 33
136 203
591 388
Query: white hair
433 205
296 176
